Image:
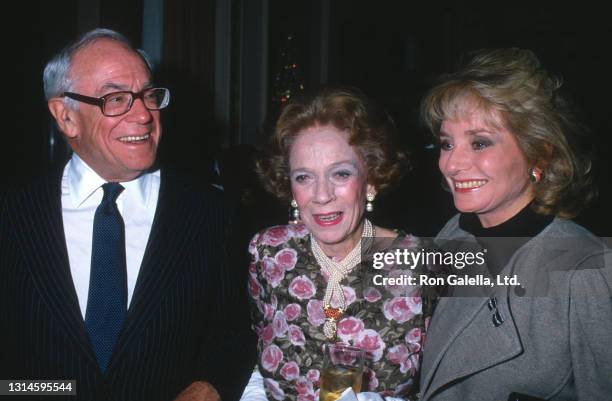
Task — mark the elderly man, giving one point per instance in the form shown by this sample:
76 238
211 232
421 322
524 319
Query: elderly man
113 272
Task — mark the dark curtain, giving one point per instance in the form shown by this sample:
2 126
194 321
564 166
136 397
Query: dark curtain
190 138
123 16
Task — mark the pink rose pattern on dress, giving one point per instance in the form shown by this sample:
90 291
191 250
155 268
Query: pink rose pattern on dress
286 290
298 230
314 376
414 336
267 334
271 358
399 355
302 287
296 336
371 342
286 258
349 328
304 387
416 305
292 311
280 324
316 317
402 309
255 288
272 272
275 236
307 397
290 371
268 311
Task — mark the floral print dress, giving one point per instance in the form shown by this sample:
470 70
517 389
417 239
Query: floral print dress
287 286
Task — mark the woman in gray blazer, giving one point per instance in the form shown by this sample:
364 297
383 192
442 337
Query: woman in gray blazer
534 320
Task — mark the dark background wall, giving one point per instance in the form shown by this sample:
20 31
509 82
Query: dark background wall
393 50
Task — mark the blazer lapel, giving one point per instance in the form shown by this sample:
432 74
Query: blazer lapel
444 330
461 348
457 347
46 256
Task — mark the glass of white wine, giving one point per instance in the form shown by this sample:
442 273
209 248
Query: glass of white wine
342 368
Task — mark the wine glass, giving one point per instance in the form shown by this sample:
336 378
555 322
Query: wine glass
342 368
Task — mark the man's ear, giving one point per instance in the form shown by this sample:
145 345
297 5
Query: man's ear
64 117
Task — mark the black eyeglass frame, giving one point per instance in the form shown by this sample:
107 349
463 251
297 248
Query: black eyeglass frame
101 101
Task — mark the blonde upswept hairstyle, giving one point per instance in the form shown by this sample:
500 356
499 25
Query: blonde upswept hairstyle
510 87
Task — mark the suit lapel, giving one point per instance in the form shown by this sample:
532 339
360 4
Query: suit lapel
174 225
46 256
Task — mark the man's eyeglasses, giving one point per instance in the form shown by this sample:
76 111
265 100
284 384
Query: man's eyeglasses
118 103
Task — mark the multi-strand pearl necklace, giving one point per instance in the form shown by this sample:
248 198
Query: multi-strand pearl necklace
336 272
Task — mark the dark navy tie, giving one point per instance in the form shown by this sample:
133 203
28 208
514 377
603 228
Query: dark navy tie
107 299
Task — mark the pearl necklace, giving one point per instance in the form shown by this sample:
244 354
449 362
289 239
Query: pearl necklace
336 272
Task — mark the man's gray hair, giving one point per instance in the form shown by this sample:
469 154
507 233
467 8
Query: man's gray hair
56 77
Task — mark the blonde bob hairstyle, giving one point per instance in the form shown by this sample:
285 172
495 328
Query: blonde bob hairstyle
371 132
509 87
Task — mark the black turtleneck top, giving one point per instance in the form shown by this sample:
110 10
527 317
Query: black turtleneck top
503 240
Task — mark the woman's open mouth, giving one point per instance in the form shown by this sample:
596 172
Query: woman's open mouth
468 185
328 219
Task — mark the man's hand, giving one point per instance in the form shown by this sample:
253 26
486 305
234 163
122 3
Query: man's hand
199 391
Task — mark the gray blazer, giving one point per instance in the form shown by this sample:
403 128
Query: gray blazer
555 347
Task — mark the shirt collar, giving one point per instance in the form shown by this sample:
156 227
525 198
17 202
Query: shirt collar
140 188
83 182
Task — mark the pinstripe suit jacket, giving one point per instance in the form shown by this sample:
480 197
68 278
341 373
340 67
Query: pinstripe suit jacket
176 330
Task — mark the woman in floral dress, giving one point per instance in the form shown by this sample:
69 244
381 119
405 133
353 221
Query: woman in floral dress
331 154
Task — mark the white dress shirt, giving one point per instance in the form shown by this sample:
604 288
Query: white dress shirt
81 194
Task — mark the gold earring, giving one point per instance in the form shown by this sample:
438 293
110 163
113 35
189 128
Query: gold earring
370 198
535 175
